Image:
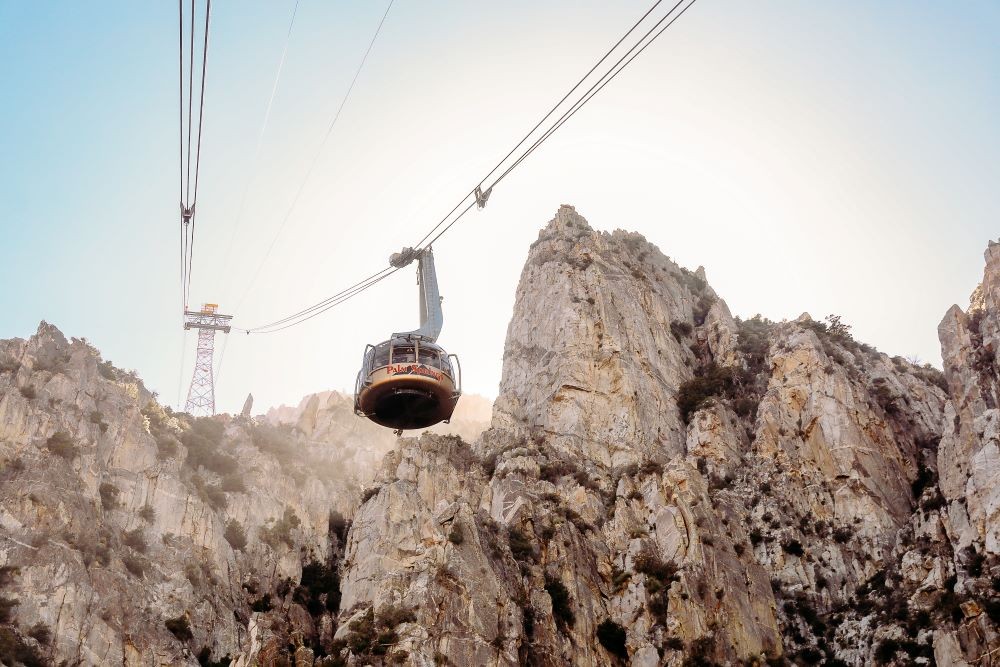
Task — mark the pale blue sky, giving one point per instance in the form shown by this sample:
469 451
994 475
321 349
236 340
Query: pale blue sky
830 157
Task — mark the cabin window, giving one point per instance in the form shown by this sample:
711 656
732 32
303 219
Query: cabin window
403 354
381 355
430 357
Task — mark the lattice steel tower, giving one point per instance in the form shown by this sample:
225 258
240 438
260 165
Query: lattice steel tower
201 395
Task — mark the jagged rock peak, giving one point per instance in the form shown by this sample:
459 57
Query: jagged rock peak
567 218
969 456
600 339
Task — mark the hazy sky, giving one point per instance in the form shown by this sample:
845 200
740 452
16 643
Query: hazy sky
831 157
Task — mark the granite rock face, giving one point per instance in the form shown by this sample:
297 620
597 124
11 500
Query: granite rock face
665 483
133 535
969 457
662 484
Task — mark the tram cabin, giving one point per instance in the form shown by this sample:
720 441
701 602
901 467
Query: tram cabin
407 383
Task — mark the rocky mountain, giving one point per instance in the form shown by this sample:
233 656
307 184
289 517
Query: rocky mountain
661 484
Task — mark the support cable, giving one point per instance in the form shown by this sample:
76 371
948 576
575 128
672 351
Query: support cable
545 117
477 194
315 159
597 87
260 141
180 78
586 97
187 182
189 141
324 305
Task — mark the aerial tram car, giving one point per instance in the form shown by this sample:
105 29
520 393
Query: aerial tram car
409 381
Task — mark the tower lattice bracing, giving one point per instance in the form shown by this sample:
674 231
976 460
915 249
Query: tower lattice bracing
201 395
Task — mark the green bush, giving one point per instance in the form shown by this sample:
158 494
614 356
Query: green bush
203 441
233 483
521 546
695 394
15 651
974 561
103 554
262 605
699 653
992 608
886 650
659 574
7 606
455 536
210 493
135 539
362 635
717 482
934 502
338 525
651 468
885 397
147 513
236 535
62 445
755 339
619 578
793 547
680 329
276 440
391 616
369 636
136 566
842 535
12 467
553 471
281 531
561 602
180 627
319 588
166 446
835 330
109 495
205 658
40 633
925 476
701 308
612 637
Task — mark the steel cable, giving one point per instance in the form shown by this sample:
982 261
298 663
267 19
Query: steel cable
624 61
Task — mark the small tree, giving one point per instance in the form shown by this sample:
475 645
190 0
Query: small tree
838 328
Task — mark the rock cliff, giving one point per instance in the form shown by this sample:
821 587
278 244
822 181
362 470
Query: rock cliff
662 484
133 535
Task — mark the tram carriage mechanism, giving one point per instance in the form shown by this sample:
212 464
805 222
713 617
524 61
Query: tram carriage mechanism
409 381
